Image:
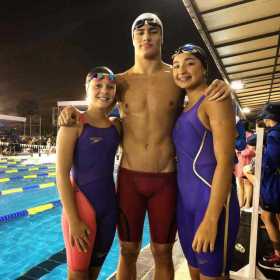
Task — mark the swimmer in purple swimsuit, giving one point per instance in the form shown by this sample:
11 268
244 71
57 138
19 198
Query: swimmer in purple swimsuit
204 135
88 195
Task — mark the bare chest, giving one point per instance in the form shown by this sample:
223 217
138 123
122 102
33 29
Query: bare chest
149 95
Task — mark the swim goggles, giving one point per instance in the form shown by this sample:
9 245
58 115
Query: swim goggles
101 76
188 48
193 49
141 22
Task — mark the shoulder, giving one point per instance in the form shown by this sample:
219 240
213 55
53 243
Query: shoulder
275 134
122 77
218 107
122 81
70 131
117 123
167 69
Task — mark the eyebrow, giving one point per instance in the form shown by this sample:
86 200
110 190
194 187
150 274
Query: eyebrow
186 59
149 28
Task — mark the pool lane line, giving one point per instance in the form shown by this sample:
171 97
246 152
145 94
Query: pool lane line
27 188
16 170
30 211
3 166
30 176
45 267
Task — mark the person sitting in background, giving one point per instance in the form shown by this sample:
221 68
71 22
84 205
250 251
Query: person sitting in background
270 184
249 170
244 187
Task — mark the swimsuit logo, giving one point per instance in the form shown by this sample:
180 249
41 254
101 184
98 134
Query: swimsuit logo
95 140
202 261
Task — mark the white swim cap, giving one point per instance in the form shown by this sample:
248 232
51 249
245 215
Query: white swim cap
147 18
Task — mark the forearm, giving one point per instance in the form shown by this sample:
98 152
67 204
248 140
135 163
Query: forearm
66 192
221 186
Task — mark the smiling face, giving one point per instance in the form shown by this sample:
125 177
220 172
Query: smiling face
147 41
101 93
188 71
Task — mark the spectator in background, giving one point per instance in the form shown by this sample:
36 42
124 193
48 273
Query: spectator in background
240 141
270 184
249 170
244 155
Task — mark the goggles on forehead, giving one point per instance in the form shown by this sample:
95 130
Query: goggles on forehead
187 49
194 50
141 22
101 76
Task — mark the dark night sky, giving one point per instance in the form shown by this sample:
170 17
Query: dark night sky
47 47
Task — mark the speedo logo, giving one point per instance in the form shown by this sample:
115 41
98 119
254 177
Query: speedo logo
95 140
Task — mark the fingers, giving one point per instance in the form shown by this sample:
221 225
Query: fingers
87 233
194 244
200 245
218 91
203 246
72 241
223 94
82 242
212 246
212 86
68 117
82 245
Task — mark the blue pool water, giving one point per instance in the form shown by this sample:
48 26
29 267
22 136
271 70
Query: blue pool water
29 241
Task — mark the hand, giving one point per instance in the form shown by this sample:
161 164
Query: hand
218 91
205 237
79 233
69 116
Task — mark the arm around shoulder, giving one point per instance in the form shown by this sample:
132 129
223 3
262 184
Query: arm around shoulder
69 116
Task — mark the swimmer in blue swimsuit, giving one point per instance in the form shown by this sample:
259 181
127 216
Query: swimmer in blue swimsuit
85 163
204 136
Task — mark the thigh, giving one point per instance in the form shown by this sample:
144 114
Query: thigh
105 233
132 208
162 211
76 260
186 230
217 263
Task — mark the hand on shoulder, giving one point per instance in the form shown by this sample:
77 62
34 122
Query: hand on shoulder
69 116
218 90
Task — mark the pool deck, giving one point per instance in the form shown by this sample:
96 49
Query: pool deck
145 265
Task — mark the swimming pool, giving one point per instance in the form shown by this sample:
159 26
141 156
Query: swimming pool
28 242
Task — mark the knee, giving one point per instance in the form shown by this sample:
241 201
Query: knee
130 252
162 253
267 217
77 275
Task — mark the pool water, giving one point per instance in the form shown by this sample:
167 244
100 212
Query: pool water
26 242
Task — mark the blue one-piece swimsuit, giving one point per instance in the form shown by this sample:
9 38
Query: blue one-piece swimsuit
195 167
